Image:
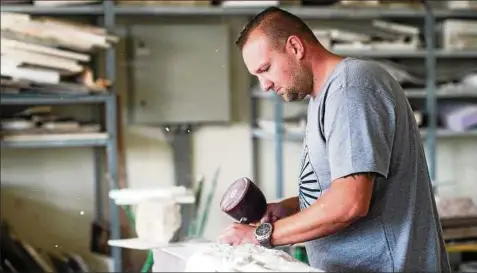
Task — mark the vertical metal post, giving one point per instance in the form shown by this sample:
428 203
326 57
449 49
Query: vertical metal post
431 87
179 138
98 189
112 153
112 156
98 151
278 113
109 24
255 140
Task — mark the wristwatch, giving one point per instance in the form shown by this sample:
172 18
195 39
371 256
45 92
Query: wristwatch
263 233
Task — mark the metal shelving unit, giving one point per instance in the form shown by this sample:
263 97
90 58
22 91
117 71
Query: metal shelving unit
100 142
431 94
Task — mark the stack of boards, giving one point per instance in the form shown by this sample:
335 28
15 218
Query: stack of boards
47 52
19 256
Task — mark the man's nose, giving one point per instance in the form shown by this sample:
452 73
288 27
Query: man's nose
266 84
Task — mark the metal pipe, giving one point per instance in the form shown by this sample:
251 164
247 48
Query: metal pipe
111 127
279 145
112 156
431 102
255 140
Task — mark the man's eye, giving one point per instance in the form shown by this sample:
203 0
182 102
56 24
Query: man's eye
266 69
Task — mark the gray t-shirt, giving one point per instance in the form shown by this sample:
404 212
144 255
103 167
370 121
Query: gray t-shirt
362 122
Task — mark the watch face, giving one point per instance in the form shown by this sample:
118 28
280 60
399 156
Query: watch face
263 230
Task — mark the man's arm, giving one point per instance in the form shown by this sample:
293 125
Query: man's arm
347 200
280 209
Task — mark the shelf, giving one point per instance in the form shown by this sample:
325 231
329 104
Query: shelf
439 53
449 93
448 134
455 13
293 137
306 12
59 10
301 11
410 93
269 95
264 134
447 53
20 99
382 53
56 140
263 95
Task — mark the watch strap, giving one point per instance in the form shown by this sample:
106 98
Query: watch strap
266 243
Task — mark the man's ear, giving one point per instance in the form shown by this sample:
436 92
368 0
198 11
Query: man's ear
295 47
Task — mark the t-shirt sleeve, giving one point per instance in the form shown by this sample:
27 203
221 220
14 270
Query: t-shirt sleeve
359 126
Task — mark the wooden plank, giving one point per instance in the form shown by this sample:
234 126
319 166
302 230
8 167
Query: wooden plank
10 43
53 46
462 247
459 221
76 32
33 58
459 233
79 26
31 74
39 30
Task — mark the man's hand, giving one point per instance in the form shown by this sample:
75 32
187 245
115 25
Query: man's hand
238 234
275 212
279 210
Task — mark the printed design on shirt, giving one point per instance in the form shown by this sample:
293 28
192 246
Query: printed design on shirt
309 186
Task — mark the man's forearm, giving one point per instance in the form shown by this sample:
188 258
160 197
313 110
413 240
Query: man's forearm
304 226
337 208
322 231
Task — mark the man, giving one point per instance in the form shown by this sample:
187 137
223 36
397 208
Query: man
365 200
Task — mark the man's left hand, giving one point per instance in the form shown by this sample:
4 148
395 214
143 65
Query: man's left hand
238 234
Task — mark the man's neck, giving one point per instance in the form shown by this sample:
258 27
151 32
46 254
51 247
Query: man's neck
322 66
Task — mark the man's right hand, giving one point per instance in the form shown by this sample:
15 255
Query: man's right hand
275 211
278 210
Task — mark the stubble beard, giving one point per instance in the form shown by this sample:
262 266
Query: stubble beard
302 86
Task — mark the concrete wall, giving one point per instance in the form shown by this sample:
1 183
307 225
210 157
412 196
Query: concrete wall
48 194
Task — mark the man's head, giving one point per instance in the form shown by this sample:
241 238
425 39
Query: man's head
274 45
